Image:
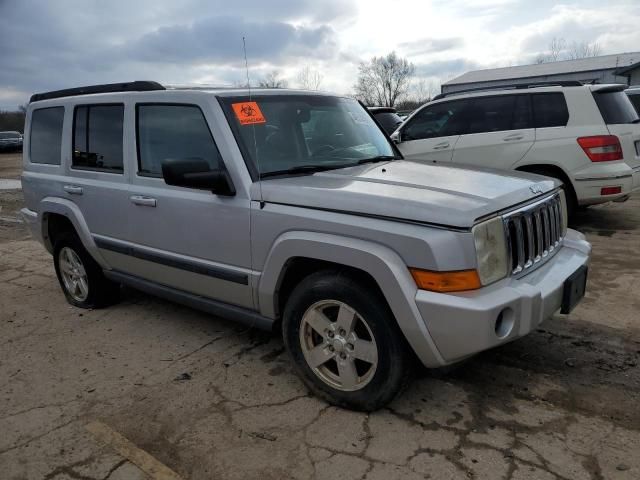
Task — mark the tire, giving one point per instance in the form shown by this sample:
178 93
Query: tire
327 362
73 262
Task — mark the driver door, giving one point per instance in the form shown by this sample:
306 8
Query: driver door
432 133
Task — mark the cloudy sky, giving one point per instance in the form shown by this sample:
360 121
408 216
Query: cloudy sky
47 45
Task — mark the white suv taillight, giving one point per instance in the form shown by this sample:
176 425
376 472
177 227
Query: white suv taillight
601 148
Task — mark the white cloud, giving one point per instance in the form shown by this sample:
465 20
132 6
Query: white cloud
74 42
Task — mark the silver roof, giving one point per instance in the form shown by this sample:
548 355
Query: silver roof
604 62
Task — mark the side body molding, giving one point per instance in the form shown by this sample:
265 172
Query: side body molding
382 263
70 210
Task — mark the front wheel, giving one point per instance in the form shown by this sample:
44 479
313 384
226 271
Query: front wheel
345 342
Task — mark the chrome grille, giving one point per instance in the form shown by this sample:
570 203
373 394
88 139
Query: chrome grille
533 233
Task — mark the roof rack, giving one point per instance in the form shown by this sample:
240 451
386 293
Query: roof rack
515 86
137 86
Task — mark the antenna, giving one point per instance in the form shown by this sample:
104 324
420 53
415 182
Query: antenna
253 127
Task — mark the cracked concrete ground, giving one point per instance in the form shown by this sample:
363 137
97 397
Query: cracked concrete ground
562 403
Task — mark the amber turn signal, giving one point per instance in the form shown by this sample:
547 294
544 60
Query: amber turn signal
457 281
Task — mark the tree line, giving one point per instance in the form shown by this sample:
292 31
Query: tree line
13 120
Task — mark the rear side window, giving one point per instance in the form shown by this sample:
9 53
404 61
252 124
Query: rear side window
615 107
46 135
549 110
499 113
173 132
97 138
439 120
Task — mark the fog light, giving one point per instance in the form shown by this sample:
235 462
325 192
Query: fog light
504 323
610 190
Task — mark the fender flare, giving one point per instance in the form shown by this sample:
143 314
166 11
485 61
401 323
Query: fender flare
383 264
70 210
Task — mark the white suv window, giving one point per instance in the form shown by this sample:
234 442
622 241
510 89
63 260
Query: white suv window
499 113
439 120
549 110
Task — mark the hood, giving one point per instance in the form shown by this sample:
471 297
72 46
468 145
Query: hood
435 194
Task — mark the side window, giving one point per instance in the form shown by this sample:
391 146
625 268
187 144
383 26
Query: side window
549 110
45 140
499 113
172 132
439 120
97 137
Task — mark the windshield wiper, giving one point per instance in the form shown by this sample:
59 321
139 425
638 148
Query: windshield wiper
379 158
301 169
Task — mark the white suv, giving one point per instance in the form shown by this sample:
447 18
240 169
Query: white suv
587 136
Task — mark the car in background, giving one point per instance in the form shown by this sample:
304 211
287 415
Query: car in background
633 93
587 136
387 118
10 142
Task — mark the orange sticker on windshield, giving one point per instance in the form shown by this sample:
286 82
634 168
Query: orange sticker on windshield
248 113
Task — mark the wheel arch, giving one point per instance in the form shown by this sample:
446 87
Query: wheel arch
297 253
59 215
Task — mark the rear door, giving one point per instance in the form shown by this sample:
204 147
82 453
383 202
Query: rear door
622 120
499 132
432 133
97 178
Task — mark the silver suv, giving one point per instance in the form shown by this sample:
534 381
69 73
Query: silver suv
293 211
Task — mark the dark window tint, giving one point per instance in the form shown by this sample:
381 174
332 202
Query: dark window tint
615 107
439 120
46 135
635 100
173 132
389 121
549 110
97 137
500 113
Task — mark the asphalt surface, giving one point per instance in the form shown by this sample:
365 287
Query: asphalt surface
150 389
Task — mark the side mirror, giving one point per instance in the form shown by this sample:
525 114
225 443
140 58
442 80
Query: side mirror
396 137
196 173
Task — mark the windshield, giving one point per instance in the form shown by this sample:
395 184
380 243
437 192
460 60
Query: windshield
283 134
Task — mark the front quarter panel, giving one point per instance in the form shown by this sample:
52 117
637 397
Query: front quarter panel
384 265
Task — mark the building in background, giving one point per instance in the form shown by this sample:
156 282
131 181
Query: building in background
619 68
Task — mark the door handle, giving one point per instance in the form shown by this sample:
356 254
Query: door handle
72 189
441 146
511 138
143 201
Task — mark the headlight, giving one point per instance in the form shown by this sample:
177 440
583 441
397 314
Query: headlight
491 250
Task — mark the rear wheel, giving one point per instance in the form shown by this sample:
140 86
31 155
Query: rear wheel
81 278
345 342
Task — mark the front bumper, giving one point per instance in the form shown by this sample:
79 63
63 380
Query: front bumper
469 322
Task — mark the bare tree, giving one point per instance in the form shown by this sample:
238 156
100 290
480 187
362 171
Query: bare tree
273 80
422 91
556 47
583 50
384 80
309 78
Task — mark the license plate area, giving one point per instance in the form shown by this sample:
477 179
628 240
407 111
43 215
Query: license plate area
573 289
